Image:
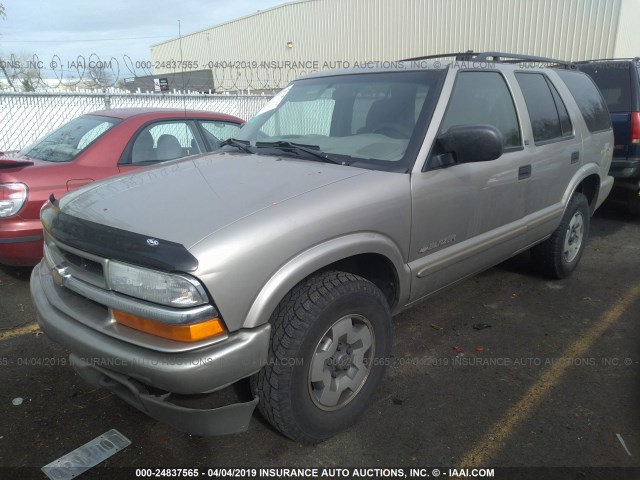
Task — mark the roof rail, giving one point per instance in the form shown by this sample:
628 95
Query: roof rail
503 57
634 59
458 55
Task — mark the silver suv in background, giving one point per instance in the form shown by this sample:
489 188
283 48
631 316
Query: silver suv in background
282 258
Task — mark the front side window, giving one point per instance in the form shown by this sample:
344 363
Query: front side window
374 120
548 114
67 142
483 98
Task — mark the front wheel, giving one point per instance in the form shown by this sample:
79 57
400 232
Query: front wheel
560 254
330 343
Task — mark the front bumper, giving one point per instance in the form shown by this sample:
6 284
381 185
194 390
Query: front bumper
130 370
225 420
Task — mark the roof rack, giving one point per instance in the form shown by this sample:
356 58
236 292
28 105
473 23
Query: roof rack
458 55
500 57
634 59
503 57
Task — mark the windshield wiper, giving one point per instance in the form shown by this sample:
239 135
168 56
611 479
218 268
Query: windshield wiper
311 150
243 145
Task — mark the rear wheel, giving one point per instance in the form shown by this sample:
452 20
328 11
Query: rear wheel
560 254
331 338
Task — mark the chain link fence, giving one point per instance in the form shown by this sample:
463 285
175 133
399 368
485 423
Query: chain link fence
25 117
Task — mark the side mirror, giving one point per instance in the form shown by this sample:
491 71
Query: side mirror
471 143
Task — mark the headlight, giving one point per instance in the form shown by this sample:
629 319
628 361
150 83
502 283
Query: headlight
12 197
157 287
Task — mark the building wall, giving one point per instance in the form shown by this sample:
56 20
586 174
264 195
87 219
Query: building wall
628 38
328 31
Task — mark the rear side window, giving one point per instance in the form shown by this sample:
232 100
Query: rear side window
565 121
548 114
589 100
614 82
483 98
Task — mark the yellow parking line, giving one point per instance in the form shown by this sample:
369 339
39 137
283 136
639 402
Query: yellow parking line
493 442
16 332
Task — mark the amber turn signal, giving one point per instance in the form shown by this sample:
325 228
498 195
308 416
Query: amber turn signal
181 333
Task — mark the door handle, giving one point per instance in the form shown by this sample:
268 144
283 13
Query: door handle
575 156
524 172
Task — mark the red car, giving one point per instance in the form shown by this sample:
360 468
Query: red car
89 148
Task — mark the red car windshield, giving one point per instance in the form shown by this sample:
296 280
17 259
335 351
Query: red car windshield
68 141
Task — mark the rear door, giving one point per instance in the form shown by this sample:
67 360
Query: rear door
556 148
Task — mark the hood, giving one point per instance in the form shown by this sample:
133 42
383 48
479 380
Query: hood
186 200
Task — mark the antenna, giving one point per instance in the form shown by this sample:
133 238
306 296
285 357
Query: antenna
184 98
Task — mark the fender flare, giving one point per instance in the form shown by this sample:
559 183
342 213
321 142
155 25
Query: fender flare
313 259
584 172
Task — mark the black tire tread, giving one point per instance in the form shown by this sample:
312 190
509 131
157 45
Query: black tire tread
289 322
548 254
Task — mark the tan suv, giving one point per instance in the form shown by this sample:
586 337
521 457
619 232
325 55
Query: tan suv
281 259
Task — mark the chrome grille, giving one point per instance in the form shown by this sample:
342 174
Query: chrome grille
85 264
81 265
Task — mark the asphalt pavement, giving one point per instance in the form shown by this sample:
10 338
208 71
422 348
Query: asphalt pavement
552 380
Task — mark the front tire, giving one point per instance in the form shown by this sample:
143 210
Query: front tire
330 343
559 255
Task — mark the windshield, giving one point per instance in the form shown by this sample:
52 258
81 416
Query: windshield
67 142
372 120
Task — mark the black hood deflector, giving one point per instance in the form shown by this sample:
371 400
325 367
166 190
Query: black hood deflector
116 244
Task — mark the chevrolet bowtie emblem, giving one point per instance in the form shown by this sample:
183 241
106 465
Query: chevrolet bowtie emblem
59 274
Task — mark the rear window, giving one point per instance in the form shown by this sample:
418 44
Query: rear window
67 142
590 102
614 82
549 117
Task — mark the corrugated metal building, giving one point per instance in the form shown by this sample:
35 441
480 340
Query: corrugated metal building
269 48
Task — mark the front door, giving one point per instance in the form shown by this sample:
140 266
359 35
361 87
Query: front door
466 217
